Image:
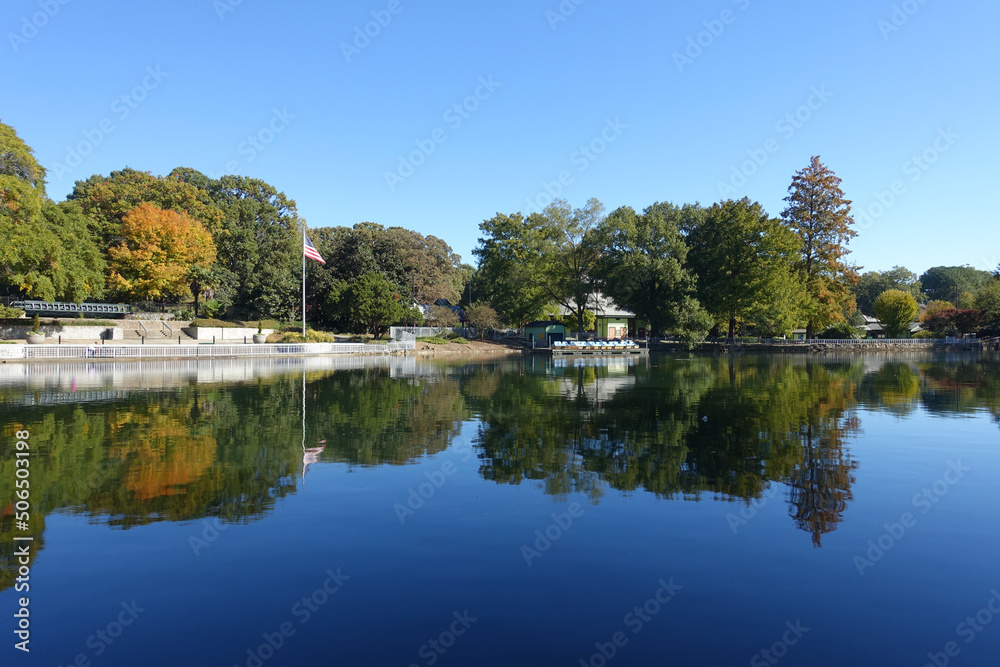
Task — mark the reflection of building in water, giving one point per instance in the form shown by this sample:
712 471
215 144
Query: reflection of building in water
597 379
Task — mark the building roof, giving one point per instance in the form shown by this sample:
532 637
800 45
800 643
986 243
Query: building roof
602 306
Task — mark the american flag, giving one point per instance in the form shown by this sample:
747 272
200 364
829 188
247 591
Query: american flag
310 251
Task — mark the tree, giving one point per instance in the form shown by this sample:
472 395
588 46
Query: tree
819 214
933 308
22 179
106 200
433 268
948 283
743 258
988 301
373 304
570 320
22 191
482 317
46 251
642 268
260 246
895 309
158 252
351 252
956 321
76 266
872 283
508 254
525 264
442 316
569 254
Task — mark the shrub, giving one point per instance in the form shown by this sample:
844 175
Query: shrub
842 331
434 340
8 312
211 308
311 337
927 334
210 323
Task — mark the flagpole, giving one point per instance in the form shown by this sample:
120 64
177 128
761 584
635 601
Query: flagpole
303 284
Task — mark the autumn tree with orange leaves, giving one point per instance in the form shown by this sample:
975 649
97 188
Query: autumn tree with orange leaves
821 216
160 250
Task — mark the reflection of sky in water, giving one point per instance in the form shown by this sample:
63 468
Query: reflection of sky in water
753 483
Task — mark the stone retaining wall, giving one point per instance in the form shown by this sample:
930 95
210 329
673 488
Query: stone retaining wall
232 334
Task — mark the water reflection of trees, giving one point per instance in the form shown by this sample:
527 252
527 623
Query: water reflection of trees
226 451
683 428
729 427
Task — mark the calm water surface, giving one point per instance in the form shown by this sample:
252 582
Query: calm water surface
670 511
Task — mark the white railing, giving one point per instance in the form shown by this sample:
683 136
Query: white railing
395 333
208 351
859 341
406 341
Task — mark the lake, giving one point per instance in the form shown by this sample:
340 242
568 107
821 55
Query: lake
675 510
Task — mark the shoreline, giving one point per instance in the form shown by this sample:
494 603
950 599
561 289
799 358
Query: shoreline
127 351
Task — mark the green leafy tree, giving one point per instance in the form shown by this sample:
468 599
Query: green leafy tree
642 268
896 310
46 251
259 247
76 266
548 257
373 304
434 269
872 283
351 252
988 301
508 276
743 259
569 254
818 212
22 179
957 284
571 320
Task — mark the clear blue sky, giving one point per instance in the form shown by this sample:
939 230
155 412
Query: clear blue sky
199 77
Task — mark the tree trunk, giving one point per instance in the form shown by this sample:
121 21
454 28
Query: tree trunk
732 328
809 330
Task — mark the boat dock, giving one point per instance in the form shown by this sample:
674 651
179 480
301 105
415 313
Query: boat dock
593 349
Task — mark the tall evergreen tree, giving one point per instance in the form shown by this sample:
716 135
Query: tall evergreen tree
818 212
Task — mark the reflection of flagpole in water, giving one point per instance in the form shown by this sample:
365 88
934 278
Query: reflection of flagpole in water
311 455
303 408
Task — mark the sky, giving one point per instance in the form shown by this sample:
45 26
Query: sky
435 116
